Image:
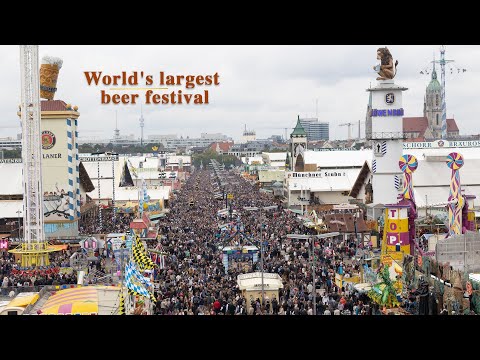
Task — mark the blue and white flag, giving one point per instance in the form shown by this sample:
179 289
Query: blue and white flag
132 271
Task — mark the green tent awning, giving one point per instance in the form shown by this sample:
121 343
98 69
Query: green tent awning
156 216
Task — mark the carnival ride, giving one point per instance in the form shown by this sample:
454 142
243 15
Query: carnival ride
34 249
313 221
387 292
460 220
398 239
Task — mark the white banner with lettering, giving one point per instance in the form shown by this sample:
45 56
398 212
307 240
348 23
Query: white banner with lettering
439 144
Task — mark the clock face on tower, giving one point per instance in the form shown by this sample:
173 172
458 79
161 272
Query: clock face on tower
299 149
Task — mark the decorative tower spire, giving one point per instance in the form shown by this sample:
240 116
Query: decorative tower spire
368 117
116 132
434 72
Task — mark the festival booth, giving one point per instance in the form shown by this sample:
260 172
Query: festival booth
251 286
126 207
347 224
139 227
87 300
362 288
114 242
3 243
343 282
18 304
239 254
224 213
155 218
153 207
92 245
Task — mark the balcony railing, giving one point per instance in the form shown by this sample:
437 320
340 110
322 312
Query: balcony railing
386 135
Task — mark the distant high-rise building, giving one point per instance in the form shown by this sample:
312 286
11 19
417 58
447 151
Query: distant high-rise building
315 129
276 138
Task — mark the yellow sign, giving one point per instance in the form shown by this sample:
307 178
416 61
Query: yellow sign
353 279
339 280
230 196
395 234
387 260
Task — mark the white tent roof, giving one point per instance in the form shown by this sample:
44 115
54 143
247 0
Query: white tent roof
252 159
174 159
253 281
467 153
127 193
124 193
338 158
275 156
151 162
9 208
439 195
11 179
132 194
105 169
431 173
326 183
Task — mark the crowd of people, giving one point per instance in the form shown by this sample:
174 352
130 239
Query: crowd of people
195 280
120 223
15 279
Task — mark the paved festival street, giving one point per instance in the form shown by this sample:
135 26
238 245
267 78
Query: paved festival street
195 281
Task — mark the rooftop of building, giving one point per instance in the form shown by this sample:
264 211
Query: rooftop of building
434 85
298 130
53 105
420 124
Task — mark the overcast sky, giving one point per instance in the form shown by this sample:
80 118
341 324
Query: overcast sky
264 87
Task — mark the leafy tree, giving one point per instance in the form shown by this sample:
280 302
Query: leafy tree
210 154
12 154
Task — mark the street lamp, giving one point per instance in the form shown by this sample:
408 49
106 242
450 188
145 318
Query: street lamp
113 154
355 217
98 153
310 237
254 208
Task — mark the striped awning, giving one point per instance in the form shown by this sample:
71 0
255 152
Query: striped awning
82 300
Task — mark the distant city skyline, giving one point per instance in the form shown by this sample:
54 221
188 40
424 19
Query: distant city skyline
264 88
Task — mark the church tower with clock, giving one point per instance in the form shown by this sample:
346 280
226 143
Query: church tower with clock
432 108
298 145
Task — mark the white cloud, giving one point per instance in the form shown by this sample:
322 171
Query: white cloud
264 87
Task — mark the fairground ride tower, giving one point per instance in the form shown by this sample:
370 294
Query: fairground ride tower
34 248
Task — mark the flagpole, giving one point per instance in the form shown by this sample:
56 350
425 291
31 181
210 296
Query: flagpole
121 271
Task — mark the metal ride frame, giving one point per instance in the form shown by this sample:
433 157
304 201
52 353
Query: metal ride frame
34 248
